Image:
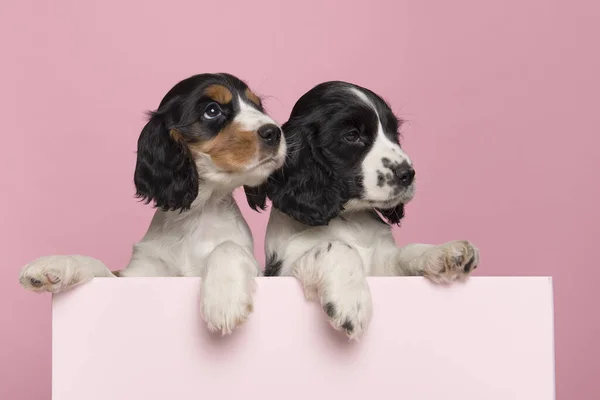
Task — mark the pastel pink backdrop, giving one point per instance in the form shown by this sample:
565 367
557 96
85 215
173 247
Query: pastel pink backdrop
501 99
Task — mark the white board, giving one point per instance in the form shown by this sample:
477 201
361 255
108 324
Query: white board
143 339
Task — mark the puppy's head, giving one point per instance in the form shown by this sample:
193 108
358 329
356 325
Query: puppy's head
344 154
209 129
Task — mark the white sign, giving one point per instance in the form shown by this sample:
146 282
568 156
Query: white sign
144 339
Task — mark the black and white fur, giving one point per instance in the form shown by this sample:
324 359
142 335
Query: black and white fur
209 135
345 181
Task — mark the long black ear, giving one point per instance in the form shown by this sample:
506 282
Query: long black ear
393 215
165 172
305 188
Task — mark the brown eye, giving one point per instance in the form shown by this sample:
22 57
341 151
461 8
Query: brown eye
352 136
212 111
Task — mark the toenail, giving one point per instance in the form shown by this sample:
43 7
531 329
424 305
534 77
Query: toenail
348 326
35 282
330 309
469 265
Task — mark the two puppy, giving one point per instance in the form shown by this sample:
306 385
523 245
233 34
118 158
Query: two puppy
344 181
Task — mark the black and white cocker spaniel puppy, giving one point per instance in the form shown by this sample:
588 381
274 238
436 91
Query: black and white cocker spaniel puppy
209 135
345 181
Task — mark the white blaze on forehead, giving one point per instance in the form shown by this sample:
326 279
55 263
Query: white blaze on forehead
373 166
250 118
382 140
365 99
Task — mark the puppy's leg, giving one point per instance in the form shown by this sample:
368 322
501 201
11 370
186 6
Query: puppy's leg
333 272
59 273
445 263
227 287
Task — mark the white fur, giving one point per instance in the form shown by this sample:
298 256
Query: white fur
361 246
333 261
250 118
342 288
211 240
256 171
383 147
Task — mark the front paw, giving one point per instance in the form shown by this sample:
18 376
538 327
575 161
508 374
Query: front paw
55 274
226 304
449 262
349 309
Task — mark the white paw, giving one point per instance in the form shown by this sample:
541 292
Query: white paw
226 304
349 309
56 273
227 287
452 261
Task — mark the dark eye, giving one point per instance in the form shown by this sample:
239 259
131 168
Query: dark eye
212 111
352 136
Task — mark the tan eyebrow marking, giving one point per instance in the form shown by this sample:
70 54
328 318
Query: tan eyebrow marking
253 97
219 93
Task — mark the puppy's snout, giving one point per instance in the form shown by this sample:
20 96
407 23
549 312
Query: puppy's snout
270 134
405 173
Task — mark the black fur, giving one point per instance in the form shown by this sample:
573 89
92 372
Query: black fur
330 309
469 265
256 196
348 326
273 265
393 215
322 171
165 171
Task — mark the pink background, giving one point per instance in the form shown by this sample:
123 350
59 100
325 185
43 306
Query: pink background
502 99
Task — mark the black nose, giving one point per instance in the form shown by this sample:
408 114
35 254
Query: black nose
405 174
271 134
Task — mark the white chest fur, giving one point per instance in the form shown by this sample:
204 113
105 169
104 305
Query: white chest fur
181 243
288 240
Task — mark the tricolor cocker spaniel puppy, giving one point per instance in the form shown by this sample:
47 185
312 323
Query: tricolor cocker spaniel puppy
345 181
209 135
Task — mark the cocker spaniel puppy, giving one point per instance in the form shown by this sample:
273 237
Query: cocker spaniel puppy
209 135
346 180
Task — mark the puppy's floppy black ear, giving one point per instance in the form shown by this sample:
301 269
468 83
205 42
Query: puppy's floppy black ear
393 215
256 196
165 172
305 188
